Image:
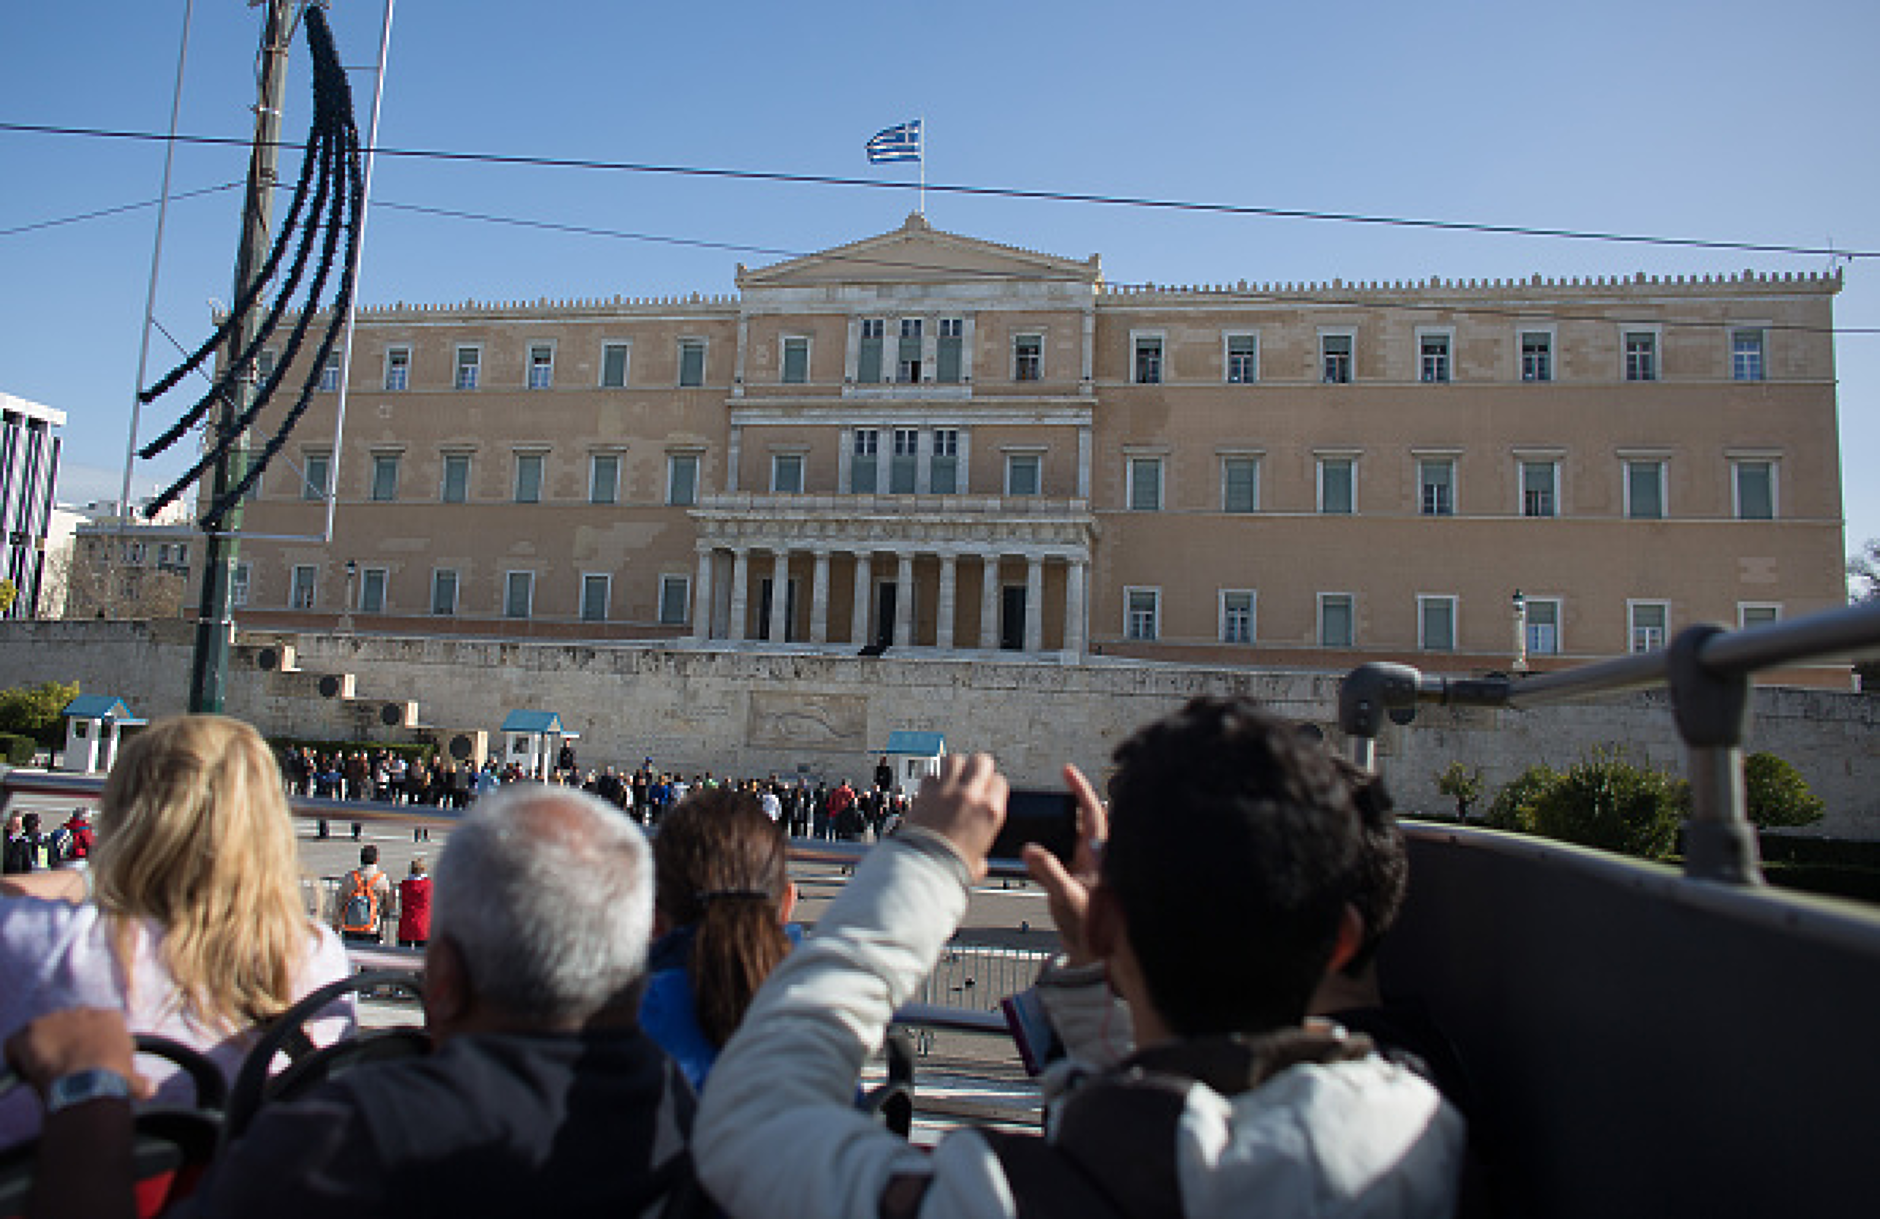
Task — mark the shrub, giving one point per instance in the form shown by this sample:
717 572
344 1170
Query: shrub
1513 806
1778 795
16 750
33 711
1609 803
1461 783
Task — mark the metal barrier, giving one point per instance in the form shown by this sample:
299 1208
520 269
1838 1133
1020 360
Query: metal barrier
1707 670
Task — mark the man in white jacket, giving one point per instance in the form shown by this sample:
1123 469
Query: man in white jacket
1211 898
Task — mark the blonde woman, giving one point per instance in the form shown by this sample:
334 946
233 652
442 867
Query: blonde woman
195 928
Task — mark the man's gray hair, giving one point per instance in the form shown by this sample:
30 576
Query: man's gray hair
548 894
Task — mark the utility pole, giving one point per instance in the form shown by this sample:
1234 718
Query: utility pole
215 622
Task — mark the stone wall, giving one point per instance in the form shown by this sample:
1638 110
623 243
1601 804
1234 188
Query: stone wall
828 716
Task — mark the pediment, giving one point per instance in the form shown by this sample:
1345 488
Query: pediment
918 253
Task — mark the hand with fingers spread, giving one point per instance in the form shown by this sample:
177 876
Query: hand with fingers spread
964 803
1068 889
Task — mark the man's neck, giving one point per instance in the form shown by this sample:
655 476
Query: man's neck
1341 992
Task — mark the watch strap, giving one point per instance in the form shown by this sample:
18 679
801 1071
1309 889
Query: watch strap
95 1083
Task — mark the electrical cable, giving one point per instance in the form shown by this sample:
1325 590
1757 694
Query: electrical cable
1007 192
1289 297
332 156
106 212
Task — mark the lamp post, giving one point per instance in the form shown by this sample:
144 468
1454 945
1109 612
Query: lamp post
1520 632
346 611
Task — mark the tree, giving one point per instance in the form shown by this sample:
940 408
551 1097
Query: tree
1778 795
101 580
1863 573
1863 585
33 711
1607 802
1461 783
1513 806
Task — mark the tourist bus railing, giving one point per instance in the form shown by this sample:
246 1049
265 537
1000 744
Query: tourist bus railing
1707 670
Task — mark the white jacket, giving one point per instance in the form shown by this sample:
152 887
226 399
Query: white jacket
778 1134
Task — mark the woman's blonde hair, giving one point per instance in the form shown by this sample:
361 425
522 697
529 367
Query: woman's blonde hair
195 836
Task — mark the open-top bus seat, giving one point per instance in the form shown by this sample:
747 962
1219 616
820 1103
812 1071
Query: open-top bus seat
171 1145
309 1067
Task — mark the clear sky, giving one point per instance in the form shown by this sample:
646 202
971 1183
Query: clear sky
1721 120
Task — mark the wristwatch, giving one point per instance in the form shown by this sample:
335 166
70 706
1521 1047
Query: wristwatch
95 1083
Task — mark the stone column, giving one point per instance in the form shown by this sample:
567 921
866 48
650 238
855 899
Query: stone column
1074 609
1034 603
740 594
943 616
779 596
989 603
904 602
864 589
819 600
702 597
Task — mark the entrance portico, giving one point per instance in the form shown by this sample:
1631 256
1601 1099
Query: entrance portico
942 574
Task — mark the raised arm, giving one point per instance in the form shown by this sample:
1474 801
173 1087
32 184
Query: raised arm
778 1132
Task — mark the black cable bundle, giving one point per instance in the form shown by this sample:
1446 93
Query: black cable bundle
338 198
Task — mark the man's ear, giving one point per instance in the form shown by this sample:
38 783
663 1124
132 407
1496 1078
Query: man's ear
1350 938
446 985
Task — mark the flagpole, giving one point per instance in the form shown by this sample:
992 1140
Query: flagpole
923 167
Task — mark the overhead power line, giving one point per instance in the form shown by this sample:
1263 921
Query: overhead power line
1004 192
104 212
1248 295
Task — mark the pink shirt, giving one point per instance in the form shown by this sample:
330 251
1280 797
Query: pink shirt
56 955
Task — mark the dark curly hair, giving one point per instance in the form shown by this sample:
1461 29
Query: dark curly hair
1232 849
1383 871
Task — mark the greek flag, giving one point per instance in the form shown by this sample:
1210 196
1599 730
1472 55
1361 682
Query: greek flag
896 144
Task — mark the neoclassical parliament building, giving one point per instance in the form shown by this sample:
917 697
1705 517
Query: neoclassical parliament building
926 444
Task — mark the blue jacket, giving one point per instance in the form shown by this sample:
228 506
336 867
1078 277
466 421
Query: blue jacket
668 1014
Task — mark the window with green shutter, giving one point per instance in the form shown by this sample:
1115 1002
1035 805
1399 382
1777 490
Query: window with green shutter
613 365
1240 484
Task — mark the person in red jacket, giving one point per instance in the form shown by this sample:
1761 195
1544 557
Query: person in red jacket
839 801
414 907
83 836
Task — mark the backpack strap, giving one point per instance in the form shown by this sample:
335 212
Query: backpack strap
1111 1147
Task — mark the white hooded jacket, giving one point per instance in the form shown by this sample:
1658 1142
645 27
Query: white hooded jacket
778 1135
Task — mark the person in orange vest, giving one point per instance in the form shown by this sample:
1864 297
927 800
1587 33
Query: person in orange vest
362 898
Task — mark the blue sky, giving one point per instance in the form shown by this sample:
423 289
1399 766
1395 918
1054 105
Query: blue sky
1722 120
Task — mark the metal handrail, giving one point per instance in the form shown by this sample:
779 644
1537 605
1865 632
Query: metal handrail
1706 669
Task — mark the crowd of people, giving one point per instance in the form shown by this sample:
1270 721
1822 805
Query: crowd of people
621 1027
29 848
844 813
850 811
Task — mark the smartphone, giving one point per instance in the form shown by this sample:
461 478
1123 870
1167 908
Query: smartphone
1048 818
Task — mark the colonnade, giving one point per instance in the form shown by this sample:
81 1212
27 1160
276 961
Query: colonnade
775 562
